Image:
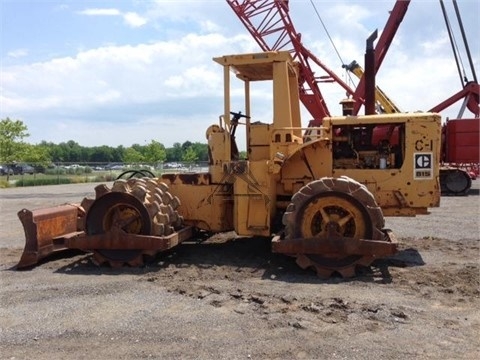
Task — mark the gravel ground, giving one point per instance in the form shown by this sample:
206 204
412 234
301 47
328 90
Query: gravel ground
230 298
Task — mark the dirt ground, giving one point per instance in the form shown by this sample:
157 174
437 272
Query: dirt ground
236 300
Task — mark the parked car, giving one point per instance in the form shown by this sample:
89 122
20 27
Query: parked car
5 169
39 169
20 169
115 166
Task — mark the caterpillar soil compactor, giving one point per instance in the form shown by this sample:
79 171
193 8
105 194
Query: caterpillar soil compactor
321 193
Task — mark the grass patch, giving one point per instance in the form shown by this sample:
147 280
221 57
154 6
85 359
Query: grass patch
4 184
56 179
24 181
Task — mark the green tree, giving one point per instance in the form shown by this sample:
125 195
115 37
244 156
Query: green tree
12 146
100 154
175 153
132 155
186 145
155 152
138 148
36 154
74 151
118 153
55 152
70 152
243 155
189 155
201 150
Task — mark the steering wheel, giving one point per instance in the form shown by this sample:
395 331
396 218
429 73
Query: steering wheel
238 115
135 173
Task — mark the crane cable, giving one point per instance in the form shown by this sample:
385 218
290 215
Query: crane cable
330 38
453 42
465 42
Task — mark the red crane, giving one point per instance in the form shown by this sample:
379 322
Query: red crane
471 90
270 25
460 145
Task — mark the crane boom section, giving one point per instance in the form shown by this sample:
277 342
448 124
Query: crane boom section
269 23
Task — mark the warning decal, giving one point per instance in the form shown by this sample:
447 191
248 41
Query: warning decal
423 166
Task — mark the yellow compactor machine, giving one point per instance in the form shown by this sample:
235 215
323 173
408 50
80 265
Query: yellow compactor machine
321 193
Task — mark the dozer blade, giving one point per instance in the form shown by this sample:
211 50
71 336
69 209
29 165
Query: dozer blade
46 231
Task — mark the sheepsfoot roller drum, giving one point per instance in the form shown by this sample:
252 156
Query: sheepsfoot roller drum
333 225
136 217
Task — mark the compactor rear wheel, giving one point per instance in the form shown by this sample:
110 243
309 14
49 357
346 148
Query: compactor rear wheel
454 181
341 203
137 206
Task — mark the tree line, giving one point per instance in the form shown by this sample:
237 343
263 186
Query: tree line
153 152
14 148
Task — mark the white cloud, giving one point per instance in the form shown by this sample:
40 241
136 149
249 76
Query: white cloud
129 83
17 53
431 47
349 15
210 26
182 10
171 90
134 20
130 18
100 12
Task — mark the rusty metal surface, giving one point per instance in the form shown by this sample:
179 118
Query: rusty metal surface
121 240
336 245
45 231
335 254
187 178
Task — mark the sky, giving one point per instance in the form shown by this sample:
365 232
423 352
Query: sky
129 72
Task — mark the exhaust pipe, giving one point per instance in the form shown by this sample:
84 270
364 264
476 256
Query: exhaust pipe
370 75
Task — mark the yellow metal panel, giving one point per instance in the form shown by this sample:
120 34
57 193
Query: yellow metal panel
253 200
259 142
256 66
260 134
203 205
414 186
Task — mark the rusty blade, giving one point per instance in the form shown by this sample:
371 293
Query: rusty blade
45 231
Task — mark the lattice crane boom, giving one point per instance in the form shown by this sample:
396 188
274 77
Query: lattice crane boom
269 23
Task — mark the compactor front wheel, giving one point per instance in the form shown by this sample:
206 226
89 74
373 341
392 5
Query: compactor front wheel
329 210
135 206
